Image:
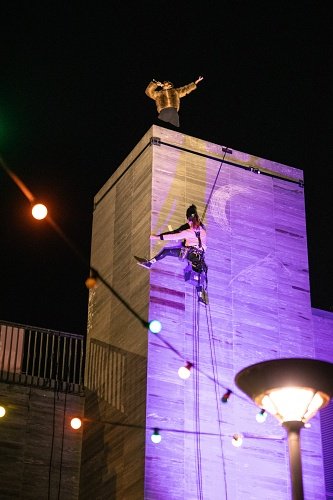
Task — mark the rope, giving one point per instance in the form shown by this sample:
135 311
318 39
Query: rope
196 394
211 193
216 389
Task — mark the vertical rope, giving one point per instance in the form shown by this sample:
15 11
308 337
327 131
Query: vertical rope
196 394
216 389
211 193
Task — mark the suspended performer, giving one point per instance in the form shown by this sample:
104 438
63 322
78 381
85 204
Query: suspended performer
167 99
191 247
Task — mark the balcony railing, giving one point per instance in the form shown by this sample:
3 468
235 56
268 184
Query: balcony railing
41 358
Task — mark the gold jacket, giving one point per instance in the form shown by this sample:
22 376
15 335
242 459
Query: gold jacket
169 98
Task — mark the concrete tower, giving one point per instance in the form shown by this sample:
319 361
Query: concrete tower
259 308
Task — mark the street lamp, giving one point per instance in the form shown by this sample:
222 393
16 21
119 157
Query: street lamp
293 390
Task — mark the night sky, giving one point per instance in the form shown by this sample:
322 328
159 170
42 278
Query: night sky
72 107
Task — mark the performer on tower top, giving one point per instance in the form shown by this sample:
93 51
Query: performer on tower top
167 99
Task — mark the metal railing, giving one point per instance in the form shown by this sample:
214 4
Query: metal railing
41 358
106 373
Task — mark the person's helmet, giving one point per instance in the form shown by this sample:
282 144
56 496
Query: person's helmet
191 212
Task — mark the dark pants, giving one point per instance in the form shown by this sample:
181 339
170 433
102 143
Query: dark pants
192 254
169 115
169 252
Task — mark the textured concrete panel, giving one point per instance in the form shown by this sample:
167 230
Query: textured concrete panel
259 308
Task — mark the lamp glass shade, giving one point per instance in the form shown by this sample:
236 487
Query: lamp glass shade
292 403
292 389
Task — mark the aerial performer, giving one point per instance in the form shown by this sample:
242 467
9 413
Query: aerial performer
167 98
191 247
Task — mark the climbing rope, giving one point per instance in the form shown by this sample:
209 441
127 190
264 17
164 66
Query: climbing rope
218 395
196 401
212 190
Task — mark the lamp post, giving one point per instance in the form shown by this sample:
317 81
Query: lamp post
293 390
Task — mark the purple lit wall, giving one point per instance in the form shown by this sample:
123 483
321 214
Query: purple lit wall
259 309
323 328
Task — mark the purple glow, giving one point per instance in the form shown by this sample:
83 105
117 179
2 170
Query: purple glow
259 308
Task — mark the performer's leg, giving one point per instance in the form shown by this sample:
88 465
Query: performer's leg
165 252
169 115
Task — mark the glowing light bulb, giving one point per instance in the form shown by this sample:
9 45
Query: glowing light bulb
91 282
39 211
292 403
76 423
156 436
261 416
237 440
155 326
2 411
184 371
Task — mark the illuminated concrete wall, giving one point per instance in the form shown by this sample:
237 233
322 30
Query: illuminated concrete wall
259 308
323 328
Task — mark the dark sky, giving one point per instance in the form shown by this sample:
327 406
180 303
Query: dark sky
72 106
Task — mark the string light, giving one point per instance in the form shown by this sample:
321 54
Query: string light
76 423
185 371
226 396
155 326
261 416
156 436
91 281
237 440
39 211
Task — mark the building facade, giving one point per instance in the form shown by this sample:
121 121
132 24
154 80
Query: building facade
258 308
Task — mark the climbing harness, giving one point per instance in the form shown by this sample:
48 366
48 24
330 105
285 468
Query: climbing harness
195 273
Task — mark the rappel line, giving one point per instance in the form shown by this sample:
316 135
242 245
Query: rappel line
196 345
216 389
218 173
